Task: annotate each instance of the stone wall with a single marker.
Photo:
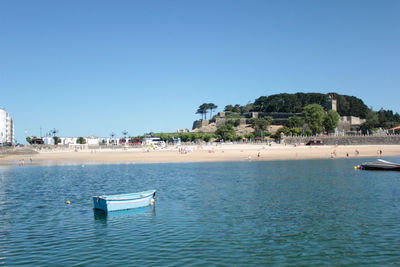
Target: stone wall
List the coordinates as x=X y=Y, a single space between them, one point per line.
x=222 y=121
x=7 y=151
x=200 y=123
x=347 y=140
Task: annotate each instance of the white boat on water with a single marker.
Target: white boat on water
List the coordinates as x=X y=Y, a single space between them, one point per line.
x=124 y=201
x=380 y=164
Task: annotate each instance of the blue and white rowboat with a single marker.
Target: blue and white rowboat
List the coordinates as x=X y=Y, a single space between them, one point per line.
x=124 y=201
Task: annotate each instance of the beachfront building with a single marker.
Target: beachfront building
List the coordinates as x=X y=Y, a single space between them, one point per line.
x=48 y=140
x=6 y=128
x=92 y=140
x=68 y=140
x=108 y=140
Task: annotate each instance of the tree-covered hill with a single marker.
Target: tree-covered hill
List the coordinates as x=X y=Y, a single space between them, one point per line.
x=294 y=103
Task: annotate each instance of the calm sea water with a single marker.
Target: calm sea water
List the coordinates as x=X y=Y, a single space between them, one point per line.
x=314 y=212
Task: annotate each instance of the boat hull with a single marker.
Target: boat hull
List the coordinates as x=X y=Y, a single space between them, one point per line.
x=123 y=202
x=379 y=168
x=380 y=165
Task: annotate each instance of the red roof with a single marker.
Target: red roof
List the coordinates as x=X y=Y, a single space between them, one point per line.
x=395 y=128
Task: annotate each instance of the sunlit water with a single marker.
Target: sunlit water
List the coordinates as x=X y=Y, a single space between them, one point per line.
x=314 y=212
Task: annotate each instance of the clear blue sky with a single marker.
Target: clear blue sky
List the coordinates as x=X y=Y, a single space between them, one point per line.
x=96 y=67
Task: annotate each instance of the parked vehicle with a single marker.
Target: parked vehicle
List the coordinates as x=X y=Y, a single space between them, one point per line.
x=315 y=142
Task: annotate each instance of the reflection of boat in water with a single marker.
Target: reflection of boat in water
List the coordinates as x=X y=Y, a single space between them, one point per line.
x=380 y=164
x=101 y=215
x=124 y=201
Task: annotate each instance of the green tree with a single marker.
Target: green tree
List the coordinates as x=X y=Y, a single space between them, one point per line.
x=29 y=140
x=112 y=137
x=202 y=110
x=372 y=122
x=314 y=116
x=81 y=140
x=228 y=108
x=294 y=103
x=206 y=137
x=236 y=108
x=185 y=137
x=261 y=123
x=211 y=107
x=277 y=135
x=331 y=120
x=56 y=140
x=295 y=122
x=226 y=132
x=295 y=131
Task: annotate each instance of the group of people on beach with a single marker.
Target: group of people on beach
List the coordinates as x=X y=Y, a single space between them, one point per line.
x=184 y=150
x=21 y=162
x=356 y=153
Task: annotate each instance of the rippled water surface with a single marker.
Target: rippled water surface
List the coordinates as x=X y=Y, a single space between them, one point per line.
x=314 y=212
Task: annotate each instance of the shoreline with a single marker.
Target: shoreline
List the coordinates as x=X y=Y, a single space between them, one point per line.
x=197 y=153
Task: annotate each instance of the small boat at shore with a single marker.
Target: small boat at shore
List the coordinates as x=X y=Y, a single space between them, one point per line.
x=381 y=165
x=124 y=201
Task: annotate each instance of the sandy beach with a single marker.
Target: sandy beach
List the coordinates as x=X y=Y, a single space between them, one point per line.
x=195 y=153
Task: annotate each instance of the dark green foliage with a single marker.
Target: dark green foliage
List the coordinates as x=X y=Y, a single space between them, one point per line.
x=211 y=107
x=387 y=119
x=314 y=115
x=351 y=106
x=278 y=134
x=294 y=103
x=185 y=137
x=236 y=108
x=295 y=121
x=234 y=116
x=261 y=123
x=226 y=132
x=56 y=140
x=203 y=109
x=331 y=120
x=289 y=103
x=207 y=137
x=382 y=118
x=371 y=123
x=295 y=131
x=239 y=109
x=28 y=140
x=81 y=141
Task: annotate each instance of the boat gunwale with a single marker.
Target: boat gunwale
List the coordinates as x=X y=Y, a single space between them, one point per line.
x=140 y=196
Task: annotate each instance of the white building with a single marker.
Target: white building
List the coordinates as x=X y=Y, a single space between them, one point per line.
x=92 y=140
x=6 y=128
x=48 y=140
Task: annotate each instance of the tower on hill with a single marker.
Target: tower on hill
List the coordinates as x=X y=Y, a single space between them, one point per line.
x=333 y=100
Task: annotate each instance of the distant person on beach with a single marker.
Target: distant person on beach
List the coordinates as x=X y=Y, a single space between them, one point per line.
x=357 y=152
